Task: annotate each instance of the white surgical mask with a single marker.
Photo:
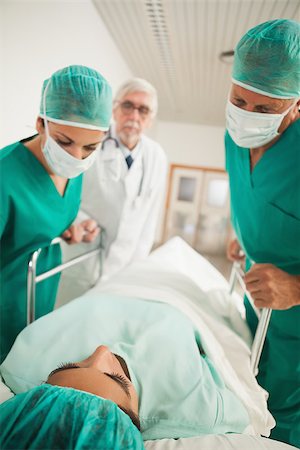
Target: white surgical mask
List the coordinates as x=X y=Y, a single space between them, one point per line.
x=252 y=129
x=61 y=162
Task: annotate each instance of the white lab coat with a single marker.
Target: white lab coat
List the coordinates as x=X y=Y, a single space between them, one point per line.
x=126 y=203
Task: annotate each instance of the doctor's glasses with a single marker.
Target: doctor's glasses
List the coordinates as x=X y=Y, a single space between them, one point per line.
x=128 y=107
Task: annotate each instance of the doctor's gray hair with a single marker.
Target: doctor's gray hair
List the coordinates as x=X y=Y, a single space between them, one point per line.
x=138 y=85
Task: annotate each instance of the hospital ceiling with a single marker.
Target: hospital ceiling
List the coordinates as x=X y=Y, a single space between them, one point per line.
x=176 y=45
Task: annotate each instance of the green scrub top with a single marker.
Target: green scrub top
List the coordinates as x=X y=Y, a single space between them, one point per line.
x=265 y=213
x=32 y=214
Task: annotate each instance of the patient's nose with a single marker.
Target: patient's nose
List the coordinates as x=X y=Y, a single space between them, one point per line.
x=102 y=349
x=103 y=359
x=100 y=353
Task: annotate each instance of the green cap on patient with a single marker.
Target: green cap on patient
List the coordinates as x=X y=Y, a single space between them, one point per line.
x=77 y=96
x=52 y=417
x=267 y=59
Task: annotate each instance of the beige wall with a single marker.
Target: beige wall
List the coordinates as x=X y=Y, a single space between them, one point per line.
x=197 y=145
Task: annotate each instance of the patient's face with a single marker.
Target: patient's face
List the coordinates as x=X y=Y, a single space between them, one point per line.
x=103 y=373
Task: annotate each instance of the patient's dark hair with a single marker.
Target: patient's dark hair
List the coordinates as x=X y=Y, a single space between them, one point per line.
x=134 y=417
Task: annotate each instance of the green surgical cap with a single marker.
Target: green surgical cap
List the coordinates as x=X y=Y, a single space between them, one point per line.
x=267 y=59
x=52 y=417
x=77 y=96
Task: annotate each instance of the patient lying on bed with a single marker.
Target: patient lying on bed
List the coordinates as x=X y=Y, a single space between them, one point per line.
x=180 y=391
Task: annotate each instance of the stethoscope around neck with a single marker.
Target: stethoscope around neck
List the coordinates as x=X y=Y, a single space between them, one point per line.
x=115 y=142
x=108 y=138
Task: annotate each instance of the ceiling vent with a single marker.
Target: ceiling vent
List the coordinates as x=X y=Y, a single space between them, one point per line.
x=159 y=28
x=227 y=56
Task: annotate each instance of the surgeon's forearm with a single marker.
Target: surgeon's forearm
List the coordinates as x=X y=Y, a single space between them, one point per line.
x=271 y=287
x=297 y=290
x=293 y=296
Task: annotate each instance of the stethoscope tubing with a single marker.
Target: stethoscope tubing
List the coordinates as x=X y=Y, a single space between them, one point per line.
x=108 y=138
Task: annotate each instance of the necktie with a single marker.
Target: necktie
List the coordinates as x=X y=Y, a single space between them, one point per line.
x=129 y=160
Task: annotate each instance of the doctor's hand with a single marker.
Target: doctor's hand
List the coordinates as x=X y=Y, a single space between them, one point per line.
x=271 y=287
x=234 y=251
x=86 y=231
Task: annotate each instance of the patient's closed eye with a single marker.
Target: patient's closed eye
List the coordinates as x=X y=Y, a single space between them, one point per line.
x=64 y=366
x=121 y=380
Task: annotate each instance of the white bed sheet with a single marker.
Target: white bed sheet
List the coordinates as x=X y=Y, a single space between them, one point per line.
x=5 y=392
x=218 y=442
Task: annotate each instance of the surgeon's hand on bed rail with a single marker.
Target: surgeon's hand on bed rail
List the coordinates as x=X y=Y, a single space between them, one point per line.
x=85 y=231
x=271 y=287
x=234 y=251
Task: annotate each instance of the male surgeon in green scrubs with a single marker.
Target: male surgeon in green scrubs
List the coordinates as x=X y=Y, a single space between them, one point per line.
x=40 y=187
x=263 y=162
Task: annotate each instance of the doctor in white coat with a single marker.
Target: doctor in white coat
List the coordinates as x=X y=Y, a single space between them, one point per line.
x=124 y=190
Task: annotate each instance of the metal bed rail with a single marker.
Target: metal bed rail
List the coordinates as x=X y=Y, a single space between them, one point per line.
x=263 y=315
x=33 y=279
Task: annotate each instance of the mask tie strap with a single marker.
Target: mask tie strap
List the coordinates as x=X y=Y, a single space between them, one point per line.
x=44 y=108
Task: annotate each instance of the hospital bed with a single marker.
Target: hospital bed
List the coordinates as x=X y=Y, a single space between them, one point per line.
x=236 y=276
x=187 y=262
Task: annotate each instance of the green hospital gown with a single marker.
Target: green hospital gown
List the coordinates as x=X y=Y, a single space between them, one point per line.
x=265 y=210
x=32 y=213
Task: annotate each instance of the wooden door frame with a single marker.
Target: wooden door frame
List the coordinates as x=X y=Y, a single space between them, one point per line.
x=173 y=167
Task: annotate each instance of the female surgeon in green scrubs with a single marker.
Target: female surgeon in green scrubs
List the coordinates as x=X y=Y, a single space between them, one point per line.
x=263 y=162
x=41 y=188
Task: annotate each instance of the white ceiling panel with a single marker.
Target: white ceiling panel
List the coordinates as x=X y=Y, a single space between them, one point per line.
x=175 y=44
